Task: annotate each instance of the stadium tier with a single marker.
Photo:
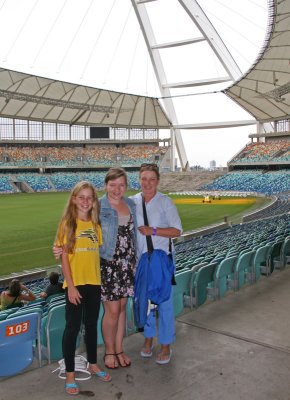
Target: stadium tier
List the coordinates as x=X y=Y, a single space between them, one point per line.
x=39 y=167
x=128 y=155
x=275 y=151
x=257 y=181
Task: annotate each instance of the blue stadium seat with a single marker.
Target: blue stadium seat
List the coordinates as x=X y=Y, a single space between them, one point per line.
x=52 y=327
x=286 y=252
x=261 y=259
x=244 y=270
x=18 y=338
x=224 y=276
x=203 y=285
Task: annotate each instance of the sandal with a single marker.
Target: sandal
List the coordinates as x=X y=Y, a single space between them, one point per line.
x=165 y=360
x=127 y=364
x=115 y=360
x=70 y=386
x=146 y=352
x=103 y=376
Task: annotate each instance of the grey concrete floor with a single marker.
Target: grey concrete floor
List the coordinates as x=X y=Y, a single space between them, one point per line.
x=237 y=348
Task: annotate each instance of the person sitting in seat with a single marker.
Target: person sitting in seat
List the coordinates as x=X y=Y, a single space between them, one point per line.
x=17 y=292
x=55 y=287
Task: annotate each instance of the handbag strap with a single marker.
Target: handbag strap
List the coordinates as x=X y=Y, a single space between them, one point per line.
x=148 y=237
x=149 y=241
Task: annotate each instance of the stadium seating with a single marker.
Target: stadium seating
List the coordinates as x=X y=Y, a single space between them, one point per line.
x=275 y=257
x=261 y=259
x=285 y=251
x=203 y=285
x=180 y=290
x=243 y=271
x=52 y=327
x=253 y=181
x=224 y=276
x=6 y=186
x=107 y=156
x=19 y=336
x=37 y=182
x=258 y=152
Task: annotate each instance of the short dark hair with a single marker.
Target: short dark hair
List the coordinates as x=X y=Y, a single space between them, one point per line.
x=53 y=278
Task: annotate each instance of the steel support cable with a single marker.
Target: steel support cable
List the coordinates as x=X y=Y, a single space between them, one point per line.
x=3 y=5
x=147 y=70
x=117 y=45
x=21 y=30
x=239 y=14
x=75 y=35
x=49 y=33
x=230 y=45
x=133 y=59
x=97 y=40
x=237 y=31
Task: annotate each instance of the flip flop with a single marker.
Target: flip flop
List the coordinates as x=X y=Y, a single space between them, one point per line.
x=165 y=360
x=69 y=386
x=146 y=353
x=102 y=375
x=119 y=360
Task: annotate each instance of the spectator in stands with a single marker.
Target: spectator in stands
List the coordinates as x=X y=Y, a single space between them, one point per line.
x=79 y=234
x=164 y=224
x=54 y=287
x=118 y=222
x=17 y=293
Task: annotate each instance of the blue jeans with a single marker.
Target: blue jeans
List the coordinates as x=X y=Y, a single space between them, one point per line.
x=166 y=325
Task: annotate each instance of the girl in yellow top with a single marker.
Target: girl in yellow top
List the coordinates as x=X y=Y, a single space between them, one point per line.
x=79 y=234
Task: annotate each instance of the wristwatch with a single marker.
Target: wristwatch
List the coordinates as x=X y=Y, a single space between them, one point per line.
x=154 y=231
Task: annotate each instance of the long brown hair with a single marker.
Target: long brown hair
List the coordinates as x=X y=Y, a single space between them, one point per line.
x=68 y=223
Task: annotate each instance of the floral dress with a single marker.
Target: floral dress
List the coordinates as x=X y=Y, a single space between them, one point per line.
x=118 y=274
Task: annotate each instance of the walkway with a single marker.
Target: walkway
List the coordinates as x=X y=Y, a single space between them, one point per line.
x=237 y=348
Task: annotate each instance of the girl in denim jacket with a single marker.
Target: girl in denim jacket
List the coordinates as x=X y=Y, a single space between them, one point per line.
x=118 y=257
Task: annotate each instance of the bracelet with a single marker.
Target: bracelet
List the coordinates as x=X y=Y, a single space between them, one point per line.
x=154 y=231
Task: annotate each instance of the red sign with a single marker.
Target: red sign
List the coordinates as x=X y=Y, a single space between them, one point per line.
x=17 y=329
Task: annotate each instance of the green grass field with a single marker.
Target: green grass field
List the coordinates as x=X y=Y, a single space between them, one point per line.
x=29 y=223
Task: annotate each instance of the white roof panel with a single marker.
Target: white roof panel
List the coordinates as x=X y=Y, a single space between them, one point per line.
x=25 y=96
x=264 y=90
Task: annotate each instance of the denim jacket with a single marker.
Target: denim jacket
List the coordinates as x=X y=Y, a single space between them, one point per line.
x=110 y=223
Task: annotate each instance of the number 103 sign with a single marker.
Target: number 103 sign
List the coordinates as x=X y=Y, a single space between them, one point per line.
x=17 y=329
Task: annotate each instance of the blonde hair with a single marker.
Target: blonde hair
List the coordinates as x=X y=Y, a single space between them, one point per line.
x=68 y=223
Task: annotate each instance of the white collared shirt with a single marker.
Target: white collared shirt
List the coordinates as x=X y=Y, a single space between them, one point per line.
x=161 y=213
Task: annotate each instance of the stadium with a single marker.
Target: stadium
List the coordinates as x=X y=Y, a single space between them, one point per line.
x=232 y=260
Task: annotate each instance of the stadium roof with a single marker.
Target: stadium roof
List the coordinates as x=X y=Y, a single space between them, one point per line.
x=264 y=91
x=25 y=96
x=188 y=48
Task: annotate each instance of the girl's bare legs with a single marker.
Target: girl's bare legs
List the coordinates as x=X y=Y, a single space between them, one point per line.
x=114 y=323
x=110 y=327
x=123 y=359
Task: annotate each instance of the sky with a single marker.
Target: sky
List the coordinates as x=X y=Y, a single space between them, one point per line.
x=99 y=43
